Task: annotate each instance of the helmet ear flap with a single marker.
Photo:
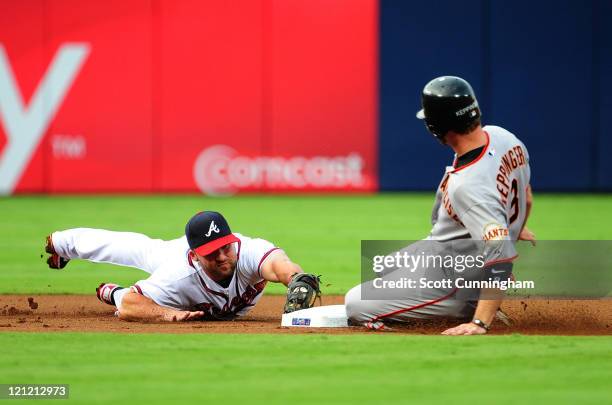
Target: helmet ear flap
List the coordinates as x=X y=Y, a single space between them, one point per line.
x=438 y=132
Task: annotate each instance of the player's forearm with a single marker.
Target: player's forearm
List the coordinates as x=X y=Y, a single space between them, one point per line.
x=528 y=205
x=286 y=270
x=136 y=307
x=486 y=308
x=279 y=268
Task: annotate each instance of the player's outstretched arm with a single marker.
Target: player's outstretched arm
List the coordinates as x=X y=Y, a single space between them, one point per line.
x=136 y=307
x=278 y=268
x=302 y=289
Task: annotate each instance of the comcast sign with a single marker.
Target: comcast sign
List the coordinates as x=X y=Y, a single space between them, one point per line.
x=221 y=170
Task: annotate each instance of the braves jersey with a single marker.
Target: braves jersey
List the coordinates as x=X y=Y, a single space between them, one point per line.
x=181 y=283
x=486 y=198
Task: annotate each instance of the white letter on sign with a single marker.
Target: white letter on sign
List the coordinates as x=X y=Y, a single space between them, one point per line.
x=23 y=126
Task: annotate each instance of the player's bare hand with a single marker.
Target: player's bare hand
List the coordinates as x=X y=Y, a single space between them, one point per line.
x=527 y=235
x=465 y=329
x=184 y=316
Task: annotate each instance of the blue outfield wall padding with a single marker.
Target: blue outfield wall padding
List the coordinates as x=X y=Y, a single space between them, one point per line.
x=541 y=86
x=540 y=69
x=419 y=41
x=603 y=91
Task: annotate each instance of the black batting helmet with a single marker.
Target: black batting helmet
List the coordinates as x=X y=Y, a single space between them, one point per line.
x=449 y=104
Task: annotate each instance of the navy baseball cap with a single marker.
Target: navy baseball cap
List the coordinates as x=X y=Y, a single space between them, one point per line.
x=208 y=231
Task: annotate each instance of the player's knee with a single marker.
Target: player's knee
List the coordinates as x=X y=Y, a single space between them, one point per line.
x=356 y=308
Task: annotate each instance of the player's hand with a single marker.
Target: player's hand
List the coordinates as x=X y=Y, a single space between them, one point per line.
x=527 y=235
x=183 y=316
x=465 y=329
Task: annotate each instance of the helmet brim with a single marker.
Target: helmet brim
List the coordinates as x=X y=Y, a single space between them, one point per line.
x=420 y=114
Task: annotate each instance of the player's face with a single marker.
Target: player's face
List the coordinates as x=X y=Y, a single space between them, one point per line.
x=220 y=264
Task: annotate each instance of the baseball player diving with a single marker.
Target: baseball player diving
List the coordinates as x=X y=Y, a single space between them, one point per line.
x=483 y=201
x=208 y=274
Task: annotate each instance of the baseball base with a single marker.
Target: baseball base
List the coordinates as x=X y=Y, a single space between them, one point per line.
x=329 y=316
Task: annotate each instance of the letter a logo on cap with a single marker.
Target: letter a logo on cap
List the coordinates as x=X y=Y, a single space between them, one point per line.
x=205 y=242
x=213 y=228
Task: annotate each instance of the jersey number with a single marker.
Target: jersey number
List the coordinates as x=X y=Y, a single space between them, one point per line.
x=514 y=203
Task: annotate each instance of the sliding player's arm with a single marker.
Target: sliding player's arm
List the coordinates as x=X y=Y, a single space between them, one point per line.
x=525 y=233
x=485 y=222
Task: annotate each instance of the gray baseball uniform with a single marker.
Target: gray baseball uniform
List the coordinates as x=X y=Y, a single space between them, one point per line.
x=482 y=204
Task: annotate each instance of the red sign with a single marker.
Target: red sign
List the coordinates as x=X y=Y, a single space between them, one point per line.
x=173 y=96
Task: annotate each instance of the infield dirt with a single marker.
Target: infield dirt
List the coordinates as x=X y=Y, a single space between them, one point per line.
x=84 y=313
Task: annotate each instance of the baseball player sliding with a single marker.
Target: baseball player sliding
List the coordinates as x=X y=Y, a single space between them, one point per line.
x=484 y=199
x=208 y=274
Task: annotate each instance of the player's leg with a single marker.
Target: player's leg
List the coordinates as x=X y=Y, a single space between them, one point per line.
x=112 y=294
x=399 y=295
x=364 y=304
x=102 y=246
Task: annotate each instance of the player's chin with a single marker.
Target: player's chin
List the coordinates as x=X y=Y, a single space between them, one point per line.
x=225 y=268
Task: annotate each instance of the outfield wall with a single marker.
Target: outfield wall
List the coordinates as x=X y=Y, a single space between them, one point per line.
x=542 y=69
x=291 y=95
x=188 y=95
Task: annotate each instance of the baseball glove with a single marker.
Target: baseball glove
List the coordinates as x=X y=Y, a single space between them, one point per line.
x=302 y=292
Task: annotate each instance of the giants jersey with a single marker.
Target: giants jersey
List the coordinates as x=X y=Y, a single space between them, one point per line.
x=486 y=198
x=182 y=284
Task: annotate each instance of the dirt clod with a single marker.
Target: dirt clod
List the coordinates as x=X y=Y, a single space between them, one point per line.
x=33 y=304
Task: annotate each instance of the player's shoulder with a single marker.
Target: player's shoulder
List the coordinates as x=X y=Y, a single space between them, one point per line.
x=252 y=251
x=500 y=136
x=464 y=188
x=170 y=285
x=469 y=184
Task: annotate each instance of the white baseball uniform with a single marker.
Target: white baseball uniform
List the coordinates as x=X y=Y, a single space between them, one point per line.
x=175 y=280
x=481 y=204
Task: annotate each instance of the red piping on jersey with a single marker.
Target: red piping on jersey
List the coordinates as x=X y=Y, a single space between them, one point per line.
x=504 y=260
x=425 y=304
x=484 y=150
x=264 y=258
x=217 y=293
x=139 y=289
